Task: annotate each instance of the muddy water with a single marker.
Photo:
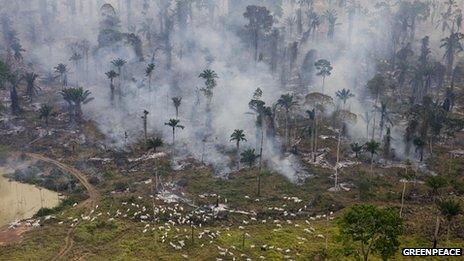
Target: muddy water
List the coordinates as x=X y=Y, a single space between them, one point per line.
x=22 y=201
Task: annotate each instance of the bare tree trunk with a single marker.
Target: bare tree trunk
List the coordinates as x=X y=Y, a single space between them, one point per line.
x=402 y=198
x=437 y=229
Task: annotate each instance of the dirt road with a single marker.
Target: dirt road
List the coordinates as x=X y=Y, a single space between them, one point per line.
x=9 y=236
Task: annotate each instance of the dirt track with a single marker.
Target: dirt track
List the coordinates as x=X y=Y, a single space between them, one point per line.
x=8 y=236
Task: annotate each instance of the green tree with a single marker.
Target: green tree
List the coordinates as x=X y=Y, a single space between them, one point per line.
x=45 y=112
x=154 y=143
x=249 y=157
x=356 y=148
x=373 y=229
x=449 y=209
x=238 y=136
x=324 y=70
x=75 y=98
x=174 y=124
x=435 y=183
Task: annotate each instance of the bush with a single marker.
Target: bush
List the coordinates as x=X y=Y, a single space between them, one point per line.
x=50 y=211
x=94 y=180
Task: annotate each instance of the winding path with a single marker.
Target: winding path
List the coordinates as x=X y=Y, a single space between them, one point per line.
x=89 y=203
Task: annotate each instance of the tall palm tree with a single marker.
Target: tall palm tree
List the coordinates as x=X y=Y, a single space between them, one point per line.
x=449 y=209
x=154 y=143
x=76 y=97
x=111 y=75
x=45 y=112
x=343 y=115
x=62 y=71
x=372 y=147
x=286 y=101
x=31 y=89
x=149 y=72
x=177 y=101
x=174 y=124
x=238 y=136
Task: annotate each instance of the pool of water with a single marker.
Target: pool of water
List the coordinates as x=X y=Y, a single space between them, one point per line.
x=22 y=201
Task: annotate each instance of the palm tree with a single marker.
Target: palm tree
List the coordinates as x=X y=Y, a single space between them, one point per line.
x=420 y=145
x=31 y=89
x=111 y=75
x=154 y=143
x=331 y=16
x=344 y=95
x=286 y=101
x=62 y=70
x=249 y=157
x=372 y=147
x=76 y=97
x=210 y=77
x=356 y=148
x=238 y=136
x=174 y=123
x=45 y=112
x=119 y=63
x=145 y=123
x=325 y=70
x=177 y=101
x=149 y=72
x=449 y=209
x=75 y=58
